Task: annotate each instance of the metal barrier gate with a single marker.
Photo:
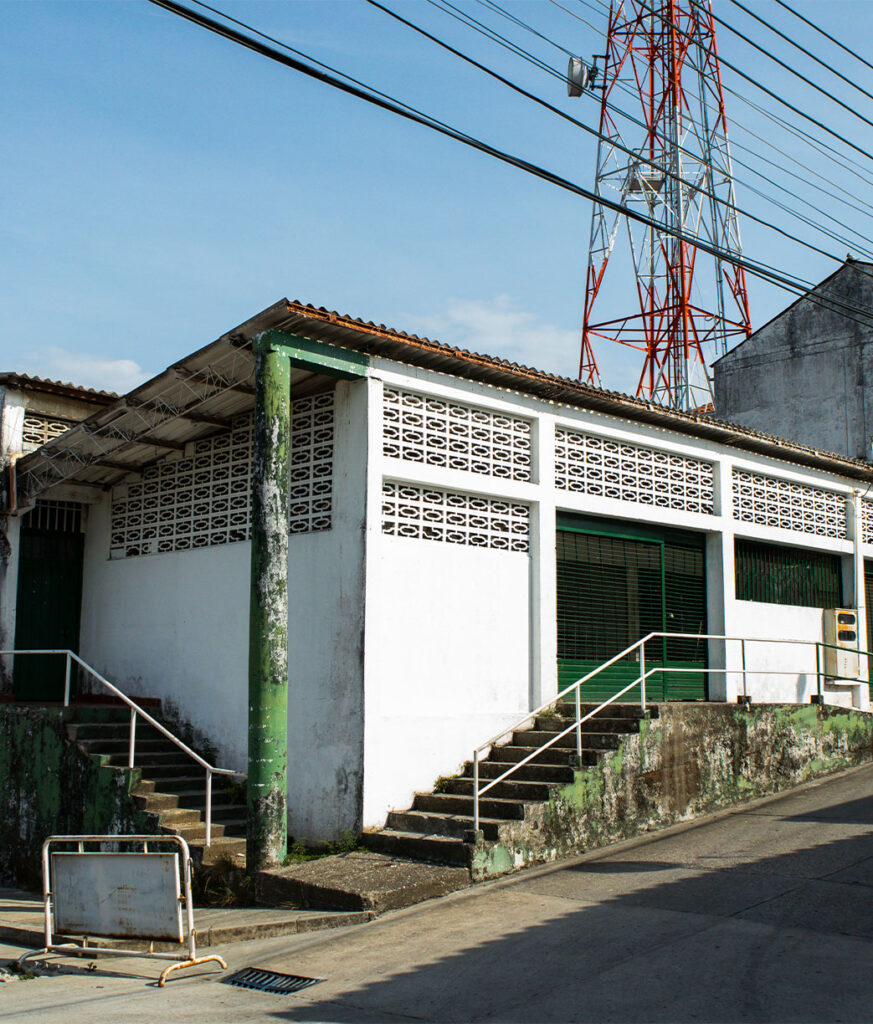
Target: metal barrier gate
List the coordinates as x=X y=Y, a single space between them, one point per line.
x=120 y=894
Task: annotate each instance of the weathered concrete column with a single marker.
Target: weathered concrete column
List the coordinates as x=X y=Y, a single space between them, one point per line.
x=267 y=832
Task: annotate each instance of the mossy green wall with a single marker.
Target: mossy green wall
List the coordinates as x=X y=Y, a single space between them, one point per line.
x=49 y=786
x=691 y=759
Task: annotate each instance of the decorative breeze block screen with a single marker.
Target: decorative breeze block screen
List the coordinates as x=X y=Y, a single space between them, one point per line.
x=420 y=428
x=867 y=524
x=428 y=514
x=204 y=498
x=767 y=501
x=630 y=472
x=40 y=429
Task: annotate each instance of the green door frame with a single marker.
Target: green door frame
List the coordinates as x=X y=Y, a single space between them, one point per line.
x=643 y=533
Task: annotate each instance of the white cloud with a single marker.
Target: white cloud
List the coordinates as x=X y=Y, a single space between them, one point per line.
x=500 y=327
x=84 y=369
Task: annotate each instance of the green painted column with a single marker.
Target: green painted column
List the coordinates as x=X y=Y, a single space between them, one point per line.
x=267 y=833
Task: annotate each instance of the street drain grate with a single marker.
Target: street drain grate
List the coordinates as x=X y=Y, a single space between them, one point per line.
x=270 y=981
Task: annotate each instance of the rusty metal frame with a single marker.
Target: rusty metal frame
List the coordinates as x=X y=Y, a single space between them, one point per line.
x=186 y=958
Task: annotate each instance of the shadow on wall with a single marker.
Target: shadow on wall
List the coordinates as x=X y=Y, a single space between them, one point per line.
x=727 y=936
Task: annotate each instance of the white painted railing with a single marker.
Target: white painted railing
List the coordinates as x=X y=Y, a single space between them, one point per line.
x=640 y=681
x=137 y=711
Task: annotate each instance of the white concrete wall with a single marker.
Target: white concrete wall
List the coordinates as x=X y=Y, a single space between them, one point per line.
x=173 y=626
x=447 y=663
x=176 y=626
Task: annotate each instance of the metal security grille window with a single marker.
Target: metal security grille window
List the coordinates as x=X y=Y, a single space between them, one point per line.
x=778 y=575
x=629 y=472
x=767 y=501
x=39 y=429
x=420 y=428
x=614 y=590
x=54 y=517
x=429 y=514
x=204 y=497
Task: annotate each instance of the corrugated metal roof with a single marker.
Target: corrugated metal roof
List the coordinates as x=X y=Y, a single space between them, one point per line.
x=28 y=382
x=199 y=394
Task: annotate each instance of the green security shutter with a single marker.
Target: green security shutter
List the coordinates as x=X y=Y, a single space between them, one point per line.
x=613 y=589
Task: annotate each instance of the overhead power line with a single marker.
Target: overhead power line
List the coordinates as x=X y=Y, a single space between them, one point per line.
x=808 y=53
x=827 y=35
x=859 y=243
x=591 y=131
x=792 y=71
x=352 y=87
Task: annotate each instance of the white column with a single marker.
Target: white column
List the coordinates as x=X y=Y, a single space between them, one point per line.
x=855 y=531
x=543 y=573
x=721 y=589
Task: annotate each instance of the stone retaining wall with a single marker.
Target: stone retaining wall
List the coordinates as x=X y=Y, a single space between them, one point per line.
x=691 y=759
x=49 y=786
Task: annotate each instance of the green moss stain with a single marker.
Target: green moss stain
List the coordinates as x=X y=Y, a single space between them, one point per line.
x=690 y=760
x=50 y=787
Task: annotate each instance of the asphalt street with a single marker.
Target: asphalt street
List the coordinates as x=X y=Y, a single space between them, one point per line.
x=764 y=913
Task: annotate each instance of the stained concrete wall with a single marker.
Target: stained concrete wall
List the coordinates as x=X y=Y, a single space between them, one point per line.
x=176 y=626
x=51 y=787
x=688 y=761
x=808 y=374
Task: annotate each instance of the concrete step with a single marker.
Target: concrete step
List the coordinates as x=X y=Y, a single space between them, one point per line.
x=144 y=759
x=221 y=847
x=527 y=792
x=555 y=756
x=432 y=823
x=567 y=709
x=85 y=730
x=533 y=771
x=195 y=831
x=360 y=880
x=177 y=817
x=554 y=723
x=458 y=803
x=590 y=740
x=181 y=775
x=143 y=750
x=156 y=802
x=436 y=849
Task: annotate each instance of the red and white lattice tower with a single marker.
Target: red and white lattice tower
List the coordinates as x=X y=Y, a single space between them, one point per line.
x=684 y=304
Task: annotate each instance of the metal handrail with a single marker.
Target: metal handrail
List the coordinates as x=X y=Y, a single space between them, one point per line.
x=641 y=682
x=135 y=710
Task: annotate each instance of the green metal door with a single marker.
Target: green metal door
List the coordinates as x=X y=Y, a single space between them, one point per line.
x=49 y=599
x=616 y=584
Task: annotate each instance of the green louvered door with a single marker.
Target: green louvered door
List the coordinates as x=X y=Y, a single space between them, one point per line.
x=49 y=599
x=617 y=584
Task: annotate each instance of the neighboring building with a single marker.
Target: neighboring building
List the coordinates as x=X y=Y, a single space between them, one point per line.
x=466 y=537
x=807 y=375
x=32 y=412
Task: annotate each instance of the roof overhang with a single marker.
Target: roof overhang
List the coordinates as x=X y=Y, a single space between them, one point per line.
x=201 y=394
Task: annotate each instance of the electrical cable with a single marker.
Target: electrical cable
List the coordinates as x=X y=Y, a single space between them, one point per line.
x=803 y=49
x=374 y=97
x=797 y=74
x=592 y=131
x=859 y=244
x=827 y=35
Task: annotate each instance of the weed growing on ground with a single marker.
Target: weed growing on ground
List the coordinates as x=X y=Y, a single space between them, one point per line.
x=300 y=853
x=222 y=884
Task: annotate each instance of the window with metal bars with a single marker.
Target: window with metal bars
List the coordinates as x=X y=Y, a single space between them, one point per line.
x=774 y=574
x=54 y=517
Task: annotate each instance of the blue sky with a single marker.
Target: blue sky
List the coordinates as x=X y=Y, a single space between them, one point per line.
x=160 y=185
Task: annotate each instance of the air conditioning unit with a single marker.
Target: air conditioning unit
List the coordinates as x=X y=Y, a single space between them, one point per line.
x=841 y=659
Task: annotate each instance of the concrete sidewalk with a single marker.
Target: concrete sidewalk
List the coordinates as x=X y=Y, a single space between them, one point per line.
x=21 y=922
x=760 y=914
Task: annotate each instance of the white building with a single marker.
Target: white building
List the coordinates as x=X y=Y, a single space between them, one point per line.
x=466 y=536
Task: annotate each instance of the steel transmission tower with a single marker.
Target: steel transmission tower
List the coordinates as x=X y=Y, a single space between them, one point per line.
x=684 y=304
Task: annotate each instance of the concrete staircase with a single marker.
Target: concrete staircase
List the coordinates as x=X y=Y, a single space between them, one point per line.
x=435 y=827
x=171 y=786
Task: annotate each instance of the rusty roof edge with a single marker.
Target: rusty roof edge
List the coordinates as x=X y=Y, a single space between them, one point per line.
x=25 y=381
x=568 y=391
